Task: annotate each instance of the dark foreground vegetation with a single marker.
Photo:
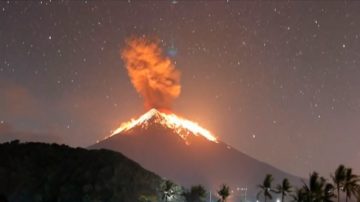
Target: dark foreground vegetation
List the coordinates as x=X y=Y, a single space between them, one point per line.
x=32 y=172
x=39 y=172
x=343 y=185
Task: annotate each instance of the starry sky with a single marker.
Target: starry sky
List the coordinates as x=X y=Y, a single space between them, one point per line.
x=276 y=80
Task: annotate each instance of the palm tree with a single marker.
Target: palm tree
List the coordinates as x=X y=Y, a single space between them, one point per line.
x=328 y=193
x=167 y=190
x=284 y=189
x=358 y=193
x=266 y=187
x=195 y=194
x=338 y=179
x=299 y=196
x=224 y=192
x=314 y=191
x=350 y=184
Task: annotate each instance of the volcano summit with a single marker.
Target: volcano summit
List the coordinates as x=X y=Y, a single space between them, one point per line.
x=184 y=152
x=181 y=126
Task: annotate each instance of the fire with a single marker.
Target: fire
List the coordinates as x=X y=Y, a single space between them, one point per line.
x=180 y=125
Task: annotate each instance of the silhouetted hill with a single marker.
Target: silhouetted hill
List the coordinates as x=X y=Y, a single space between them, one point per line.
x=43 y=172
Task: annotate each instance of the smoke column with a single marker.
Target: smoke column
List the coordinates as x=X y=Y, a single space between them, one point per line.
x=154 y=76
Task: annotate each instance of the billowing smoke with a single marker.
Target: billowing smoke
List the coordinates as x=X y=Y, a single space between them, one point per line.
x=153 y=75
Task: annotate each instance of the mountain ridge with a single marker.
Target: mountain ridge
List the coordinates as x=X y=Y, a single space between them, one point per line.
x=32 y=172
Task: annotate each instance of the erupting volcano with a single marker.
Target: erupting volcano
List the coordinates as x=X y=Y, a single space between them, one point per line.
x=181 y=126
x=171 y=146
x=158 y=82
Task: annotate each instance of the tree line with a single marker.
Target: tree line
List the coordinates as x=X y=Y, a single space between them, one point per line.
x=172 y=192
x=38 y=172
x=342 y=186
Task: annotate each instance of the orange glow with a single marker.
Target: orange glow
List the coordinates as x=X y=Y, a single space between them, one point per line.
x=180 y=125
x=153 y=75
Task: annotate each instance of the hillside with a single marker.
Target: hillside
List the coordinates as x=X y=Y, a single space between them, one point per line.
x=43 y=172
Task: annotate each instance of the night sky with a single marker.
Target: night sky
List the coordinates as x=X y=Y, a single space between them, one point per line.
x=277 y=80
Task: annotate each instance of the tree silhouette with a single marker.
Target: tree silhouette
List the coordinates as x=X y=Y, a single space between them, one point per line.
x=167 y=190
x=224 y=192
x=51 y=172
x=314 y=191
x=195 y=194
x=266 y=187
x=350 y=184
x=299 y=196
x=338 y=179
x=3 y=198
x=328 y=194
x=318 y=189
x=284 y=189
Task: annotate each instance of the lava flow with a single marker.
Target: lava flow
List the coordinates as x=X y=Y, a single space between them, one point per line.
x=180 y=125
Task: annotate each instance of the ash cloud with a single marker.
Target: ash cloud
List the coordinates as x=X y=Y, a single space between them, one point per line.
x=153 y=75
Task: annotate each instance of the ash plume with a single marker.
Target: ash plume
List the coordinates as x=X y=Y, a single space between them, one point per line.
x=153 y=75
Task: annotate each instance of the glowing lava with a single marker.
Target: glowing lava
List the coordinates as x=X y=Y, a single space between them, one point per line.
x=181 y=126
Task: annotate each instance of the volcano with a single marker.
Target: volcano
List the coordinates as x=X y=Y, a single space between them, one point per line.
x=188 y=154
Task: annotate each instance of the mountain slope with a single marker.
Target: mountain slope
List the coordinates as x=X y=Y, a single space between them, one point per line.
x=192 y=160
x=43 y=172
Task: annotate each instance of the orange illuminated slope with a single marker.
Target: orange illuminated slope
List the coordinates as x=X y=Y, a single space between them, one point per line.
x=179 y=125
